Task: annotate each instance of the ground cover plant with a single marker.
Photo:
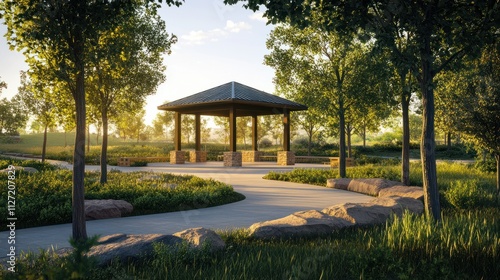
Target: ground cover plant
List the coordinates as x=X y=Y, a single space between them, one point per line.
x=44 y=198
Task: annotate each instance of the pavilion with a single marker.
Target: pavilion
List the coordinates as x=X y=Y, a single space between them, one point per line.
x=232 y=100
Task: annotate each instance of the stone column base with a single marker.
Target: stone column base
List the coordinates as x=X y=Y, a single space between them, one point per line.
x=251 y=156
x=286 y=158
x=232 y=159
x=198 y=156
x=177 y=157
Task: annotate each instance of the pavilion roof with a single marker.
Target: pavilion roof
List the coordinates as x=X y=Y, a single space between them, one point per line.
x=215 y=101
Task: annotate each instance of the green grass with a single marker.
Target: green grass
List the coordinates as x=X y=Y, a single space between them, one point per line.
x=44 y=198
x=464 y=246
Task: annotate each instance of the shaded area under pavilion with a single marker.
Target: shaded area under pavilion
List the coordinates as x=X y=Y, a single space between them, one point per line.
x=232 y=100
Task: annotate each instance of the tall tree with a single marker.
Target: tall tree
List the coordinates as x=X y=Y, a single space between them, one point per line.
x=36 y=97
x=60 y=32
x=323 y=69
x=2 y=85
x=12 y=116
x=162 y=123
x=444 y=32
x=126 y=67
x=475 y=109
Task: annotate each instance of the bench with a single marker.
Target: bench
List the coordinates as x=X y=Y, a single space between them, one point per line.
x=334 y=162
x=129 y=161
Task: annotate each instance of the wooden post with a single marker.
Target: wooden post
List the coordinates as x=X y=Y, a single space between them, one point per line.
x=177 y=137
x=232 y=129
x=197 y=132
x=286 y=130
x=254 y=133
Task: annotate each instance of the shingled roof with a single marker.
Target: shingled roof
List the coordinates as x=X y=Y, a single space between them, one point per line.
x=215 y=101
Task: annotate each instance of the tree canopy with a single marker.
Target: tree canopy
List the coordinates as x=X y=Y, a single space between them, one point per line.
x=443 y=32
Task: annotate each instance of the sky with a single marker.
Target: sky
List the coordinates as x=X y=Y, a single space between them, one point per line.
x=216 y=44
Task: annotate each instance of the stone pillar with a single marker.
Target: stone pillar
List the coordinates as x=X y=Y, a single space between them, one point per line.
x=177 y=157
x=198 y=156
x=232 y=159
x=251 y=156
x=286 y=158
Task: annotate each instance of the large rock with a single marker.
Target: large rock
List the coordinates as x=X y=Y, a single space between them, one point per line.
x=19 y=169
x=129 y=248
x=304 y=223
x=403 y=191
x=370 y=186
x=360 y=214
x=200 y=237
x=340 y=184
x=106 y=208
x=400 y=204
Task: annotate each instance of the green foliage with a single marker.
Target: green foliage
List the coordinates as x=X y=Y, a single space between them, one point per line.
x=44 y=198
x=469 y=194
x=48 y=264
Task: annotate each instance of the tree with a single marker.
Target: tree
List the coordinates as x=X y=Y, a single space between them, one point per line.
x=59 y=32
x=126 y=66
x=36 y=98
x=162 y=123
x=323 y=69
x=2 y=85
x=444 y=32
x=475 y=109
x=12 y=116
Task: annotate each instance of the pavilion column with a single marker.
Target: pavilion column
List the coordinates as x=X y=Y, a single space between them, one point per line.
x=177 y=156
x=197 y=155
x=254 y=154
x=232 y=158
x=286 y=157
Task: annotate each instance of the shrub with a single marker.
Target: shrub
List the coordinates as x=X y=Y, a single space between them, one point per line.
x=469 y=194
x=265 y=143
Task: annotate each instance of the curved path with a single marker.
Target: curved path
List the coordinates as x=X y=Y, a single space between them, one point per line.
x=265 y=200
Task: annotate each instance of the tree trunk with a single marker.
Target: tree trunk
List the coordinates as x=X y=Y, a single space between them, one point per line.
x=309 y=142
x=349 y=132
x=44 y=145
x=364 y=135
x=104 y=147
x=448 y=138
x=78 y=196
x=342 y=149
x=405 y=150
x=428 y=145
x=88 y=138
x=497 y=158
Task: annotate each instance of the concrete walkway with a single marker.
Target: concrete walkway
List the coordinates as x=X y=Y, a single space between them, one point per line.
x=265 y=200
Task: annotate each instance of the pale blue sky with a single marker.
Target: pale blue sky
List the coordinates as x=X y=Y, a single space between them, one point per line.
x=216 y=44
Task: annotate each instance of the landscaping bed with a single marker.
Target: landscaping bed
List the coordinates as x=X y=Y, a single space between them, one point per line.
x=44 y=198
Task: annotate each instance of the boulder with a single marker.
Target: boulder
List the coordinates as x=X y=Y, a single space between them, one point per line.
x=360 y=214
x=128 y=248
x=370 y=186
x=29 y=170
x=399 y=204
x=200 y=237
x=403 y=191
x=106 y=208
x=340 y=184
x=304 y=223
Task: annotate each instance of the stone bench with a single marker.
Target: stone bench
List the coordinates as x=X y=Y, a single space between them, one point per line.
x=129 y=161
